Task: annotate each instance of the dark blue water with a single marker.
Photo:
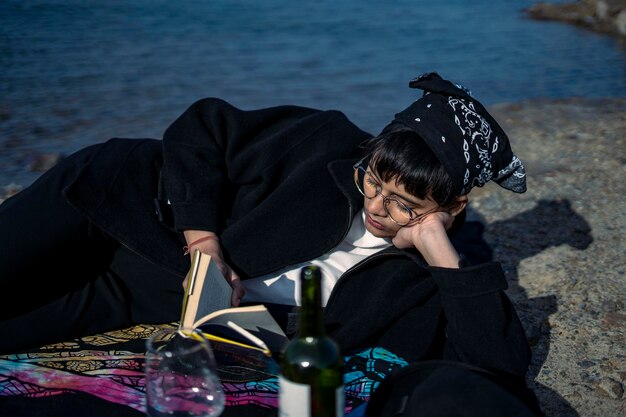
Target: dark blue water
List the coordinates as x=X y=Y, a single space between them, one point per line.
x=75 y=72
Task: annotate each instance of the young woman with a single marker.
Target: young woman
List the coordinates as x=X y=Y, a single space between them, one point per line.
x=99 y=241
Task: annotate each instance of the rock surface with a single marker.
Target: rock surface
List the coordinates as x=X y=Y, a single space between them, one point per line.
x=607 y=16
x=562 y=246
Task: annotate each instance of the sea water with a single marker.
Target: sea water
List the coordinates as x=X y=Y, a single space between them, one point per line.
x=73 y=72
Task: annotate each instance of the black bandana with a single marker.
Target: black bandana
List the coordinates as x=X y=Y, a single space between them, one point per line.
x=470 y=144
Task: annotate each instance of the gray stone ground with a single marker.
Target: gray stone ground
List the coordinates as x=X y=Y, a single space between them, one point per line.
x=563 y=249
x=562 y=246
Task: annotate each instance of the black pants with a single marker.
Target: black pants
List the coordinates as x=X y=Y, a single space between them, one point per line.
x=61 y=277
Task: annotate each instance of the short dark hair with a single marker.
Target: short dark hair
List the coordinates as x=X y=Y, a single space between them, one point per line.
x=401 y=155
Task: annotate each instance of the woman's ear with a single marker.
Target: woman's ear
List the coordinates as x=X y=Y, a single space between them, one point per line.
x=459 y=205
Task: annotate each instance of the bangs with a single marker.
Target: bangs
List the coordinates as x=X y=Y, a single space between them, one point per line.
x=402 y=156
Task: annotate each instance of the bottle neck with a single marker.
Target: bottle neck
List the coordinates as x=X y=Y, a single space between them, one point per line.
x=311 y=317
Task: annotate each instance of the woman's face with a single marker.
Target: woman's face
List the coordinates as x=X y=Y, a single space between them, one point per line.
x=377 y=220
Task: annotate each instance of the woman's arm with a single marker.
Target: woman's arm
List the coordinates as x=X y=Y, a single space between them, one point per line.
x=195 y=174
x=214 y=148
x=482 y=325
x=212 y=151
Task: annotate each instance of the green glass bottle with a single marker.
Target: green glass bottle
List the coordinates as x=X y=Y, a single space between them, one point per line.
x=311 y=379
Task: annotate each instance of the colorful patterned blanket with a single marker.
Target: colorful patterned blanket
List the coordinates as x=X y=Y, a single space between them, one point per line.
x=102 y=375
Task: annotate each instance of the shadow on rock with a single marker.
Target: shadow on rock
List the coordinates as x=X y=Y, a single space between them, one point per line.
x=550 y=223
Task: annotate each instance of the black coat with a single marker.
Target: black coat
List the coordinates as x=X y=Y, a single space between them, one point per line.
x=276 y=184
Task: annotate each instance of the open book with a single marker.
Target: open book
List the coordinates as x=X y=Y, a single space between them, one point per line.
x=237 y=334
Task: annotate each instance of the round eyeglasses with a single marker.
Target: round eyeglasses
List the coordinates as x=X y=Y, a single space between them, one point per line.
x=397 y=211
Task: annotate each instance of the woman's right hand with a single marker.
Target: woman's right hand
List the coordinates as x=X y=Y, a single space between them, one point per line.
x=212 y=247
x=429 y=237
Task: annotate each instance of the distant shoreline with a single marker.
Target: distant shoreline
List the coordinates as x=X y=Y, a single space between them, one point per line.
x=603 y=16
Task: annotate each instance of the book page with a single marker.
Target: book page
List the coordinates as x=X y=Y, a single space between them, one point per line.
x=207 y=290
x=255 y=319
x=206 y=305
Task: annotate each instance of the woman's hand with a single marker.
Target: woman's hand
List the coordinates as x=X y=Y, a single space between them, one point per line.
x=429 y=237
x=212 y=247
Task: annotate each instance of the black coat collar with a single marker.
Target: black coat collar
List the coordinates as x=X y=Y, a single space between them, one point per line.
x=342 y=172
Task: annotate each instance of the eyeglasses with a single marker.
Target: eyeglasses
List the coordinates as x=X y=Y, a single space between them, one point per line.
x=398 y=212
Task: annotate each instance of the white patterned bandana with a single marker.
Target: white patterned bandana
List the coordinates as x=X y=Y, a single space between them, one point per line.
x=466 y=139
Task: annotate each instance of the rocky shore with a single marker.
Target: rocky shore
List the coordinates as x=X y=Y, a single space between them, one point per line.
x=563 y=249
x=606 y=16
